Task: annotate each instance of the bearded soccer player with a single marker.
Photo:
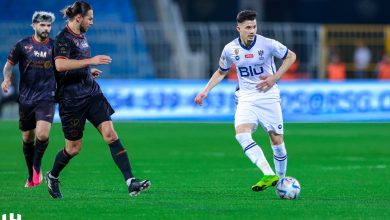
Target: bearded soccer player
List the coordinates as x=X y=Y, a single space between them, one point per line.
x=36 y=91
x=80 y=98
x=257 y=94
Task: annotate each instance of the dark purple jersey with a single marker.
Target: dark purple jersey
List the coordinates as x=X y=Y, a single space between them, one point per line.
x=37 y=81
x=74 y=84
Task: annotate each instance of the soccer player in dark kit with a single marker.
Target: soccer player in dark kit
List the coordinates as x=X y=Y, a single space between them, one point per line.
x=80 y=98
x=36 y=91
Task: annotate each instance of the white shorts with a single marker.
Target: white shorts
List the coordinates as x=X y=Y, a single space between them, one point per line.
x=268 y=114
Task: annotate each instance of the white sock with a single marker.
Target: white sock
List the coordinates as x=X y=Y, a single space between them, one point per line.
x=280 y=159
x=254 y=153
x=128 y=181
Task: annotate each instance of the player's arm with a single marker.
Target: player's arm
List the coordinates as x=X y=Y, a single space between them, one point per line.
x=214 y=80
x=269 y=80
x=287 y=62
x=7 y=72
x=62 y=64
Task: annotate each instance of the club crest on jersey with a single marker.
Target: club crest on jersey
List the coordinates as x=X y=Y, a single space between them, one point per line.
x=40 y=53
x=261 y=53
x=28 y=48
x=237 y=52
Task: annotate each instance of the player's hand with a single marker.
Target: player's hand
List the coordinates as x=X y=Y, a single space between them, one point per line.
x=200 y=97
x=267 y=81
x=100 y=59
x=95 y=73
x=5 y=85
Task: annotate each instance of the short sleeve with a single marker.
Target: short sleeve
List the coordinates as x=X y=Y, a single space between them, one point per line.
x=61 y=48
x=15 y=54
x=279 y=50
x=224 y=61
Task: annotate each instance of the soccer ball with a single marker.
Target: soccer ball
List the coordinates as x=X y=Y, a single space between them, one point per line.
x=288 y=188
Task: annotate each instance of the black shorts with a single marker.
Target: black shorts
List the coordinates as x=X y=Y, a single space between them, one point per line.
x=74 y=114
x=29 y=114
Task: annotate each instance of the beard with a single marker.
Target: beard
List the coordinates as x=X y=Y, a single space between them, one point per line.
x=83 y=29
x=43 y=35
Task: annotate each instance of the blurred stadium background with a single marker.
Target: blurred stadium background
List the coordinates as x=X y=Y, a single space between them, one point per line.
x=155 y=40
x=163 y=53
x=152 y=41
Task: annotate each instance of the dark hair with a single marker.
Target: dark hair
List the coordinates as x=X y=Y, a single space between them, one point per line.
x=79 y=7
x=246 y=15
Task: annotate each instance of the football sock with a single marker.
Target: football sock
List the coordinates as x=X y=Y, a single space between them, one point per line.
x=28 y=151
x=280 y=159
x=40 y=148
x=254 y=153
x=60 y=162
x=119 y=154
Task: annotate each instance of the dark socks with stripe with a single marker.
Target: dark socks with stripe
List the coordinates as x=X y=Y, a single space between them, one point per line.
x=121 y=159
x=60 y=162
x=28 y=151
x=40 y=148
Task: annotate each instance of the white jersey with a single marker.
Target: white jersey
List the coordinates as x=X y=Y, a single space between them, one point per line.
x=251 y=62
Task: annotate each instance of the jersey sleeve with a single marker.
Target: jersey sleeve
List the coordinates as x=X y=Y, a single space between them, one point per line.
x=279 y=50
x=61 y=48
x=15 y=54
x=224 y=61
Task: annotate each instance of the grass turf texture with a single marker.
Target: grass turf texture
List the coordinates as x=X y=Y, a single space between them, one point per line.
x=199 y=171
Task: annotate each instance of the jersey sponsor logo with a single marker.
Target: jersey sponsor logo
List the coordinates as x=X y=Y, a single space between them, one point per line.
x=40 y=53
x=249 y=55
x=250 y=71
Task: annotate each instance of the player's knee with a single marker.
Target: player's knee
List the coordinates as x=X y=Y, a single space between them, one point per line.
x=276 y=140
x=28 y=136
x=110 y=136
x=244 y=137
x=73 y=149
x=42 y=137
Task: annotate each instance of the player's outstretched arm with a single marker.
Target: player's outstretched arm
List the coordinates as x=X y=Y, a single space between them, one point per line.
x=214 y=80
x=71 y=64
x=7 y=71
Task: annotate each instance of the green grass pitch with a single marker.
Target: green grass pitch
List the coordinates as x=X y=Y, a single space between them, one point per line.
x=199 y=171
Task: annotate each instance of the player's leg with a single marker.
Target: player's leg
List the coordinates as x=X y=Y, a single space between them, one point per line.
x=73 y=121
x=27 y=126
x=41 y=142
x=256 y=155
x=251 y=149
x=44 y=113
x=62 y=159
x=280 y=153
x=121 y=159
x=100 y=116
x=28 y=151
x=245 y=123
x=272 y=121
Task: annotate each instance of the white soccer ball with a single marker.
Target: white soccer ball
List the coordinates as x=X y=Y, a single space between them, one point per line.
x=288 y=188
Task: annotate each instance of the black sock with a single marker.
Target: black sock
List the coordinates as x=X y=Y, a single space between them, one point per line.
x=121 y=159
x=61 y=161
x=40 y=148
x=28 y=151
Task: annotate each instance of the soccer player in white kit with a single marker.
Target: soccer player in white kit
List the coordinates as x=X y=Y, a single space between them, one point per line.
x=258 y=95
